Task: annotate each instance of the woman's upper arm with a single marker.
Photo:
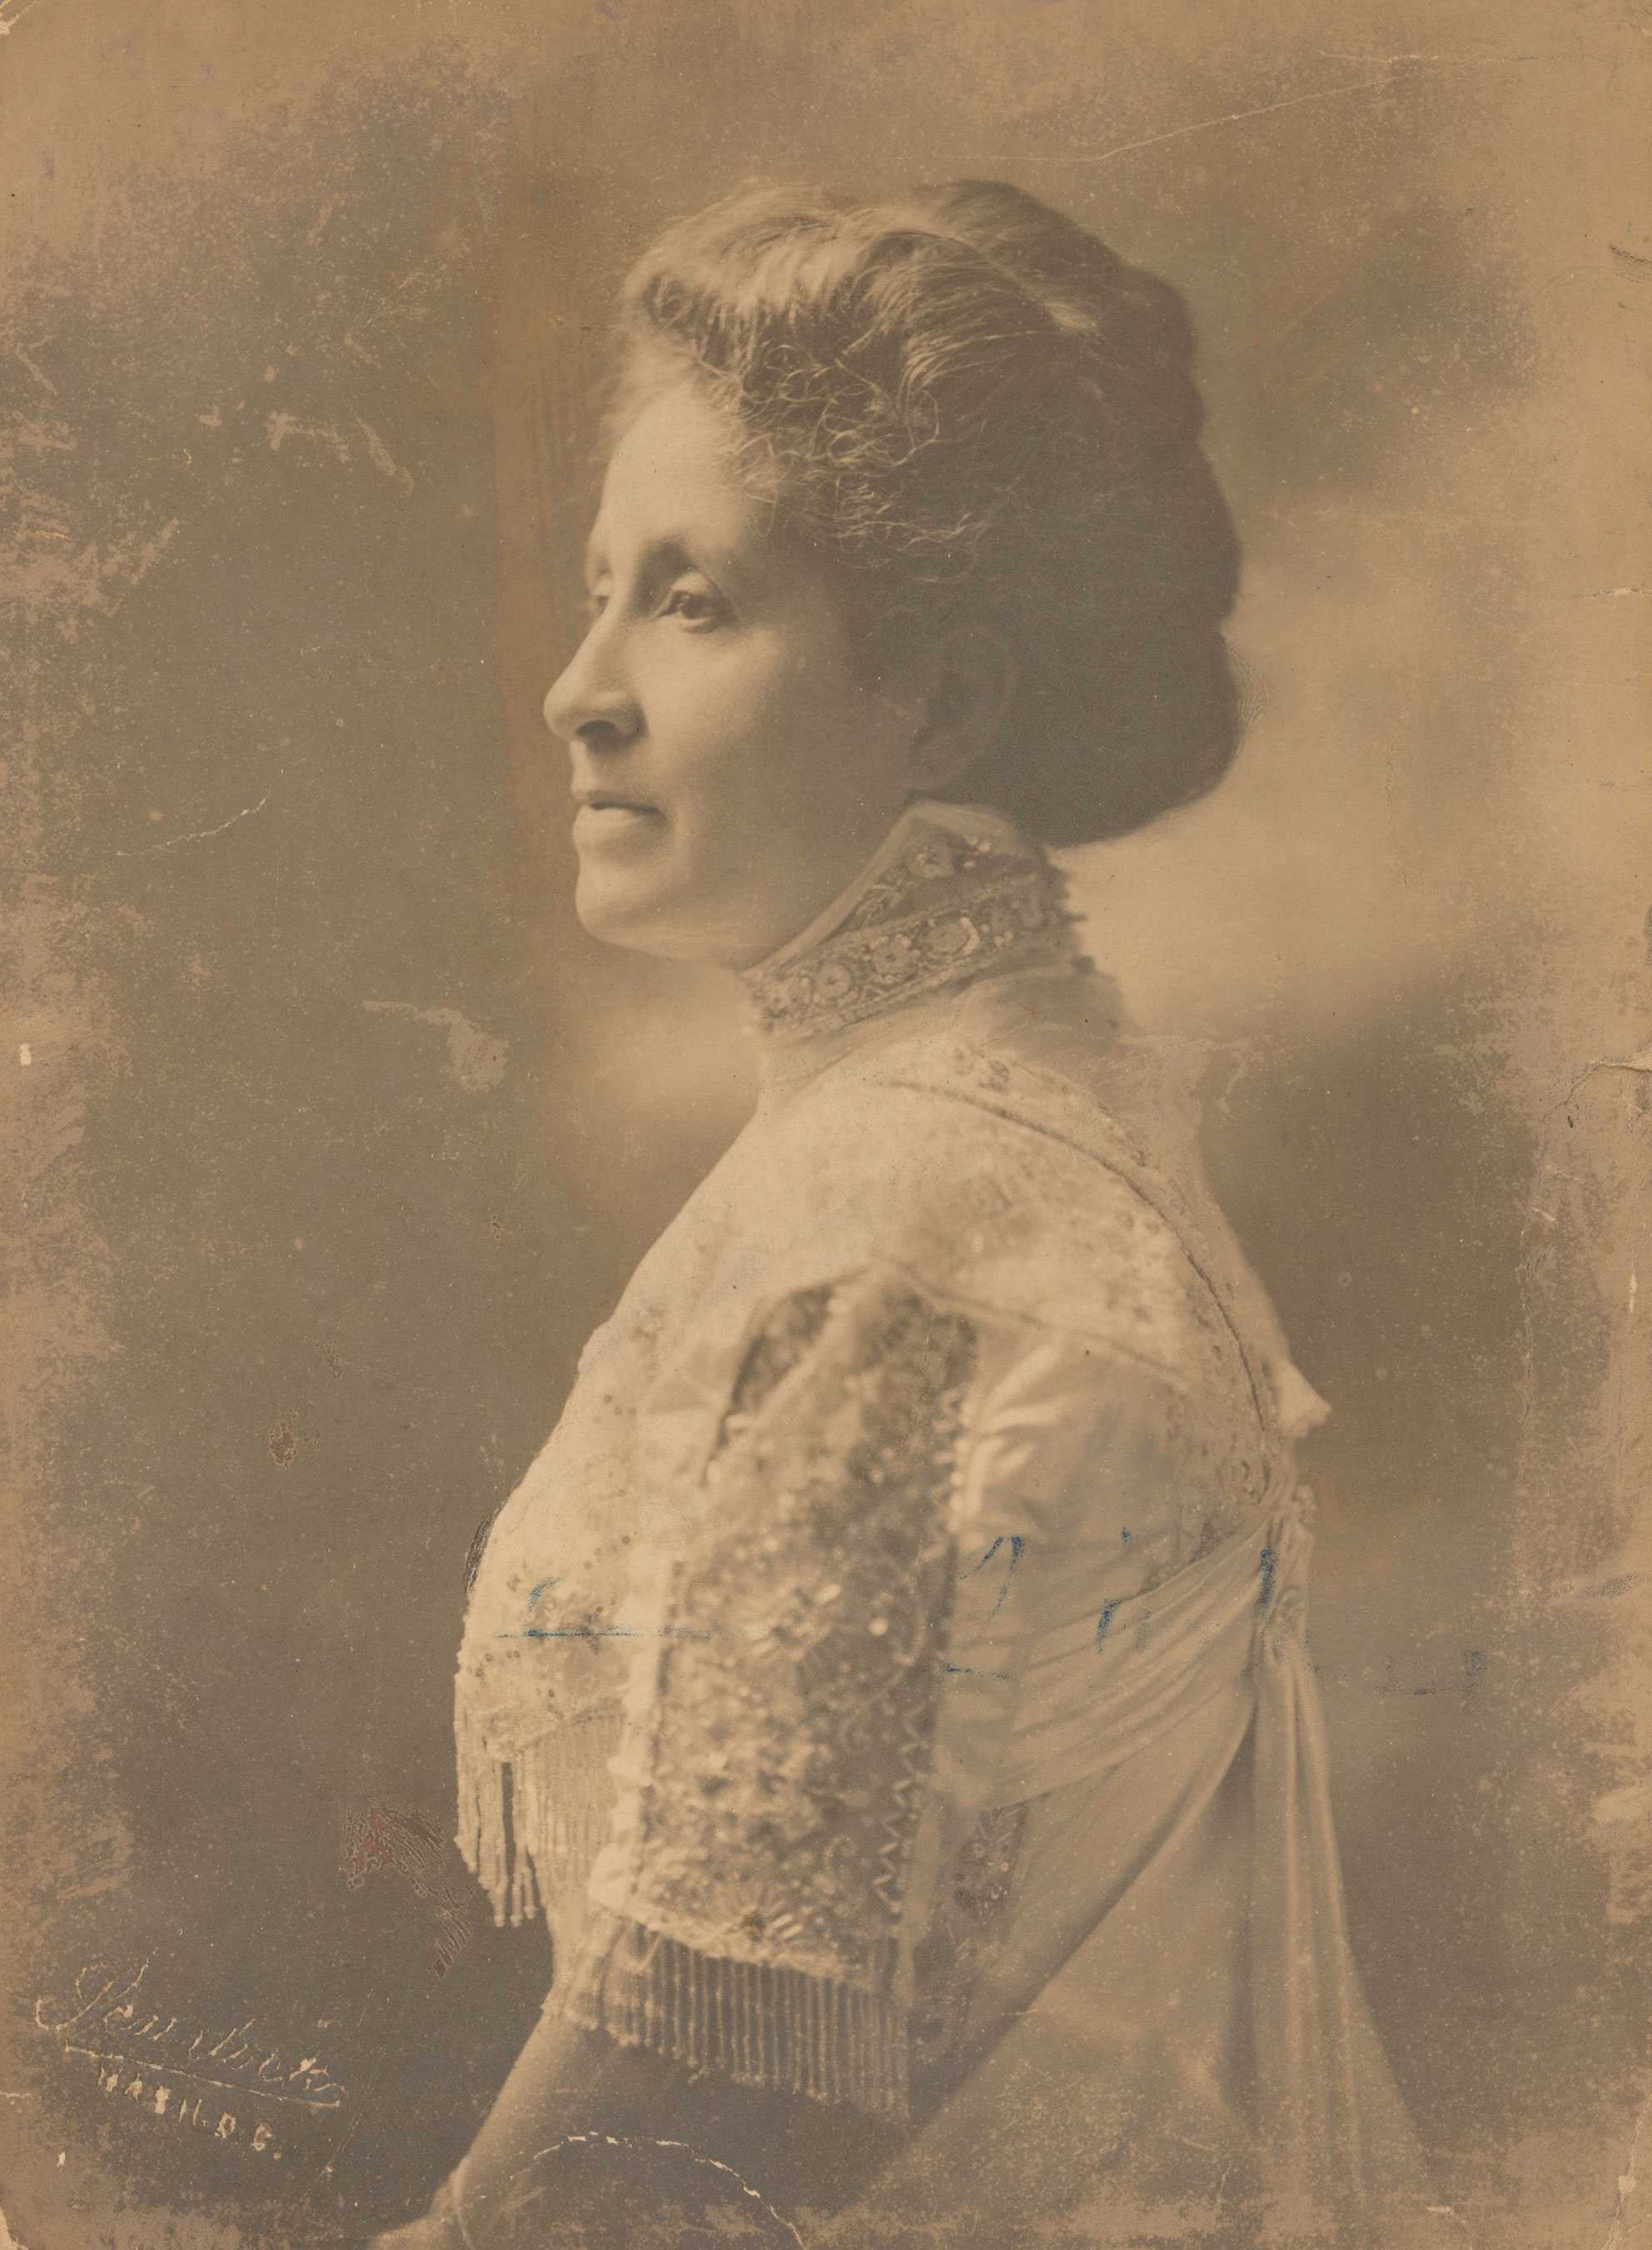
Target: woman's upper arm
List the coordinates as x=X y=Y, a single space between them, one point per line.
x=752 y=1910
x=812 y=1719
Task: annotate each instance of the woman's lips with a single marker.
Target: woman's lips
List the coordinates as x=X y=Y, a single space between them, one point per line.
x=612 y=820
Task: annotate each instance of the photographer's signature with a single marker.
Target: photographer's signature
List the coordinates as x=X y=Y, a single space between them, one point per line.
x=177 y=2071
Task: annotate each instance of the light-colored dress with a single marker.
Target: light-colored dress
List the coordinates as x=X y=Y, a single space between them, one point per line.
x=889 y=1680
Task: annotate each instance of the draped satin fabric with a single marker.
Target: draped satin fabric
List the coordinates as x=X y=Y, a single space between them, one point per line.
x=1168 y=2040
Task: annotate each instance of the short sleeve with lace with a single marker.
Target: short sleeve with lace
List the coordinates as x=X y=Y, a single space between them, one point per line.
x=753 y=1910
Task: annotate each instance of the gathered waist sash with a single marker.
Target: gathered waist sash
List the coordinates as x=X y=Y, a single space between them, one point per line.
x=1099 y=1687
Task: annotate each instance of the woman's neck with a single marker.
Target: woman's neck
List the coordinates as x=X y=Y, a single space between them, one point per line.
x=955 y=893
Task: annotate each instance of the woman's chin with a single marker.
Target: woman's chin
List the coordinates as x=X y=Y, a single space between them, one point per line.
x=614 y=906
x=610 y=911
x=642 y=919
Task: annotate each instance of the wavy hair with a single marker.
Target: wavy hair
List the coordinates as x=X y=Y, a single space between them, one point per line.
x=975 y=412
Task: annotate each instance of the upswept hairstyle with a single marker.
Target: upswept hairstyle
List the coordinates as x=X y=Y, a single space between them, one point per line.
x=977 y=412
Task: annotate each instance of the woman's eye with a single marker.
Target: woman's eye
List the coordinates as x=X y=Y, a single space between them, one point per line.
x=692 y=604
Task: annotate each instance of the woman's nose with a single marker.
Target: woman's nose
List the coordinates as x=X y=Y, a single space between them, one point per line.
x=589 y=702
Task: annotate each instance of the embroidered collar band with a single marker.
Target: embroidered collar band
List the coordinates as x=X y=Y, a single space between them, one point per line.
x=954 y=893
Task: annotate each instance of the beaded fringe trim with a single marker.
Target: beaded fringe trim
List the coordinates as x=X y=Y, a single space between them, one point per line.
x=530 y=1825
x=783 y=2030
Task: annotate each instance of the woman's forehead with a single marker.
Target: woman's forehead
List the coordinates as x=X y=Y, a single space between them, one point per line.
x=671 y=479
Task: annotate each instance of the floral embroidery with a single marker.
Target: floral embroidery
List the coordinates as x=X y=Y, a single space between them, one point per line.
x=951 y=904
x=792 y=1734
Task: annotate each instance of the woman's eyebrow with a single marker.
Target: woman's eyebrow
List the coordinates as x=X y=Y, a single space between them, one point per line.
x=667 y=552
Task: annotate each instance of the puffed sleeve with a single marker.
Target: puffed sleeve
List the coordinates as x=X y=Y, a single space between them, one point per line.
x=756 y=1909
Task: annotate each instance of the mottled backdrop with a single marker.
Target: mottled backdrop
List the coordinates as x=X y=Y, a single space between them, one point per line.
x=331 y=1136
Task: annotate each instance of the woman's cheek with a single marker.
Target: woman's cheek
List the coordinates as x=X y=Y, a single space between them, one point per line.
x=736 y=724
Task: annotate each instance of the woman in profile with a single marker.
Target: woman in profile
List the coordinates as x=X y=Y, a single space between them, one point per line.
x=889 y=1680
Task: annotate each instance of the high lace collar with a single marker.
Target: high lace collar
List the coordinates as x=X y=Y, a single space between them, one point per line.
x=954 y=893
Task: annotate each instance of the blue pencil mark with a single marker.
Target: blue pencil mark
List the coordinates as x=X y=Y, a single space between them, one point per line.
x=976 y=1671
x=1015 y=1546
x=594 y=1632
x=1104 y=1621
x=1124 y=1538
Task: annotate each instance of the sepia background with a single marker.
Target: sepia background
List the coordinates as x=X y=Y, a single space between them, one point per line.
x=331 y=1137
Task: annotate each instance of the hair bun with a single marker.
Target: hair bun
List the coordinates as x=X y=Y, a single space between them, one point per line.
x=1134 y=324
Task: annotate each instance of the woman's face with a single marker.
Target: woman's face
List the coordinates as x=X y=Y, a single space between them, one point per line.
x=731 y=769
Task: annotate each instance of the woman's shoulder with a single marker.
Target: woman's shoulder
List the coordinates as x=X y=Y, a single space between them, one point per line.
x=964 y=1167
